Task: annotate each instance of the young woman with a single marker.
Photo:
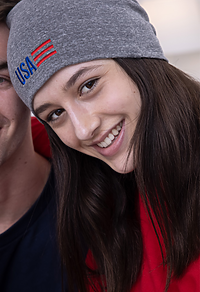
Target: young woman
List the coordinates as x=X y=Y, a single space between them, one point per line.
x=124 y=126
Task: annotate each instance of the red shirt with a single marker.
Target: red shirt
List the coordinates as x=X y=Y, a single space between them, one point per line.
x=153 y=276
x=40 y=138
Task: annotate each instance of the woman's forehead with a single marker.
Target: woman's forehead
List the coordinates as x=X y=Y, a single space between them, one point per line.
x=71 y=73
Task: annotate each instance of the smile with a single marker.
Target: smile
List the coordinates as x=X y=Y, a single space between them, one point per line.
x=112 y=136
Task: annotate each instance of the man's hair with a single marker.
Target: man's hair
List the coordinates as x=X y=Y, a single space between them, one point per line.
x=5 y=7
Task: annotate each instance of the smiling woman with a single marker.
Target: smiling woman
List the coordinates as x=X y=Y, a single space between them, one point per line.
x=124 y=127
x=91 y=102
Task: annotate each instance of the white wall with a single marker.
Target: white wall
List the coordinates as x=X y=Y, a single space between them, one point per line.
x=177 y=24
x=189 y=62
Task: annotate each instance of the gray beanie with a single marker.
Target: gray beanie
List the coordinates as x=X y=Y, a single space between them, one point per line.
x=47 y=35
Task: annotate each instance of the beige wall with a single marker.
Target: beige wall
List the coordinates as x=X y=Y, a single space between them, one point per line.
x=190 y=63
x=177 y=24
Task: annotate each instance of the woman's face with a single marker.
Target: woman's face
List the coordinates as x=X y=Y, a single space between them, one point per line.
x=93 y=107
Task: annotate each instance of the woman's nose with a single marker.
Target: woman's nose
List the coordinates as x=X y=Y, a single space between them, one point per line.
x=85 y=123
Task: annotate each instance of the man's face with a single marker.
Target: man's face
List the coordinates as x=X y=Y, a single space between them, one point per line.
x=14 y=115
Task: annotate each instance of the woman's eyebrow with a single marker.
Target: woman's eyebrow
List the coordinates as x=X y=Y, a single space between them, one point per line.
x=42 y=108
x=73 y=79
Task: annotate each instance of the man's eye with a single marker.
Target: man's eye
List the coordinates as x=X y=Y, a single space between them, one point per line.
x=54 y=115
x=2 y=80
x=88 y=86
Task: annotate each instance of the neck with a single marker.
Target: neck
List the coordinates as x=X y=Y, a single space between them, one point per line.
x=22 y=179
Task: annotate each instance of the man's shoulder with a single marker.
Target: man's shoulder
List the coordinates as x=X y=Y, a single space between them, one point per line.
x=40 y=138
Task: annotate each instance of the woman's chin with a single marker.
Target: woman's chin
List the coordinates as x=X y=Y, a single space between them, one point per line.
x=124 y=168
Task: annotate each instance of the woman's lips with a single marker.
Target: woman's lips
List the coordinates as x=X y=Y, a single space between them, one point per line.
x=111 y=144
x=112 y=136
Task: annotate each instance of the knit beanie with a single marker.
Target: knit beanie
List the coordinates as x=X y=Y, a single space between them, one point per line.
x=47 y=35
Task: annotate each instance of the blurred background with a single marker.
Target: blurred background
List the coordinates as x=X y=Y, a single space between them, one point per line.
x=177 y=24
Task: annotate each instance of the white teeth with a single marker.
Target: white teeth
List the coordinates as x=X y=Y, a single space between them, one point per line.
x=108 y=140
x=115 y=132
x=104 y=144
x=111 y=137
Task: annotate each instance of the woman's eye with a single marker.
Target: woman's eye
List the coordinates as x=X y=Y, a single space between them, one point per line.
x=54 y=115
x=88 y=86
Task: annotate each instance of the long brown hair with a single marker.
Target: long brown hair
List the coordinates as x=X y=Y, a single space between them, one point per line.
x=100 y=207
